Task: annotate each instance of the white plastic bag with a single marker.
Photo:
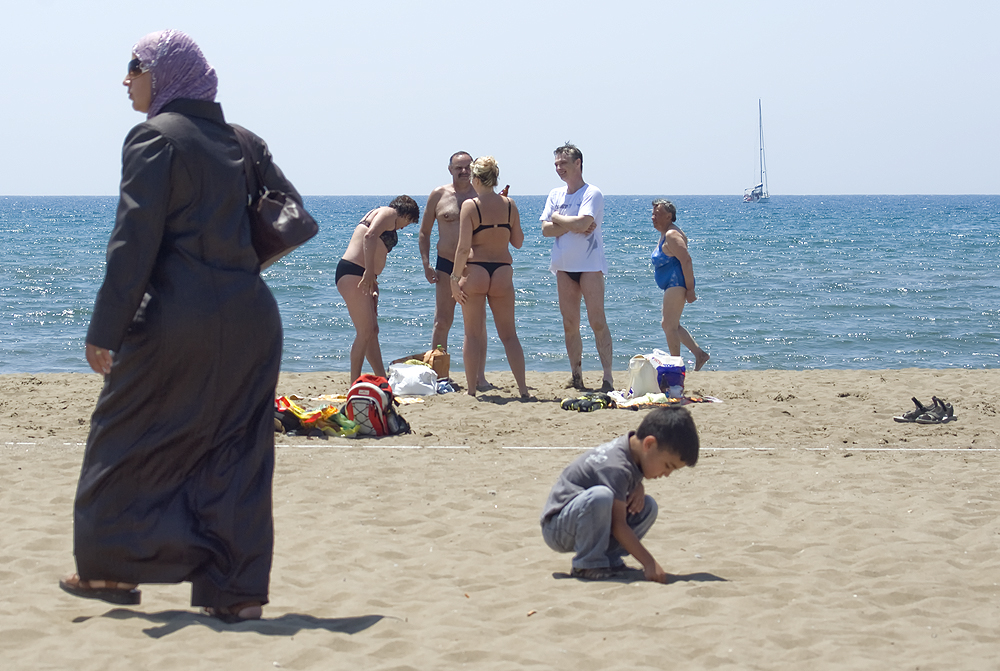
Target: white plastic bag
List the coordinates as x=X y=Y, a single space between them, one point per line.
x=670 y=372
x=409 y=379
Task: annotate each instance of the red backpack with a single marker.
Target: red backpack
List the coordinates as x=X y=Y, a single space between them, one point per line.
x=371 y=404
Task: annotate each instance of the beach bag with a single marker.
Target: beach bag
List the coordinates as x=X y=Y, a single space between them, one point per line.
x=412 y=379
x=656 y=372
x=642 y=377
x=371 y=403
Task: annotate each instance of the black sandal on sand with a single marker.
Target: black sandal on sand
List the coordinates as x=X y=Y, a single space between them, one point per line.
x=912 y=415
x=950 y=410
x=121 y=596
x=593 y=573
x=236 y=613
x=941 y=413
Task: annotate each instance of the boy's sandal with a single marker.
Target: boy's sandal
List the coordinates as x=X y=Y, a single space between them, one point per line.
x=912 y=415
x=118 y=593
x=602 y=573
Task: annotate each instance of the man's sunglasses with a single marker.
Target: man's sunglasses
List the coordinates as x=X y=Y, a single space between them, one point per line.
x=136 y=67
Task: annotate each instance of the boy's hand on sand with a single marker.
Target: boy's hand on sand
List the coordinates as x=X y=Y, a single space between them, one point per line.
x=636 y=500
x=656 y=573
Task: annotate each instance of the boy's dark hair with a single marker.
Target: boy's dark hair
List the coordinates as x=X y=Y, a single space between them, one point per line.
x=406 y=207
x=674 y=430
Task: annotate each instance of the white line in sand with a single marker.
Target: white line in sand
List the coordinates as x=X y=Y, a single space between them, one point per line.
x=550 y=447
x=544 y=447
x=362 y=446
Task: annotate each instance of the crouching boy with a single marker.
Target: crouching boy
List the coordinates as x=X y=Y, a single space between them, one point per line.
x=598 y=507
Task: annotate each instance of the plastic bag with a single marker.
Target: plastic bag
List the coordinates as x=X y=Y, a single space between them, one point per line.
x=412 y=380
x=670 y=372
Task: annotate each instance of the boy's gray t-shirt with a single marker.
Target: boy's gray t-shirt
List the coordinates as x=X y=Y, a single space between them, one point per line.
x=609 y=464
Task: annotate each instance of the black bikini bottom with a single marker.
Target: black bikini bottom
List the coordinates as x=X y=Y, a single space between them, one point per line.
x=348 y=268
x=444 y=265
x=575 y=276
x=489 y=266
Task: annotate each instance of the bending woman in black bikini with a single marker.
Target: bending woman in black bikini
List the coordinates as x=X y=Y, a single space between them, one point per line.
x=372 y=240
x=488 y=225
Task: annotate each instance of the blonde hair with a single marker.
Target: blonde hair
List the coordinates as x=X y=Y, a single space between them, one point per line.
x=486 y=170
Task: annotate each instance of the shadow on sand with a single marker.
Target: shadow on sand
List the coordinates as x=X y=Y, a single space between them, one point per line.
x=170 y=621
x=636 y=575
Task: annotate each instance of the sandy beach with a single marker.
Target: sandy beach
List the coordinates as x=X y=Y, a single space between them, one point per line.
x=814 y=531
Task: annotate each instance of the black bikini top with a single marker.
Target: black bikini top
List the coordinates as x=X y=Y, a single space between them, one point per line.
x=481 y=226
x=389 y=239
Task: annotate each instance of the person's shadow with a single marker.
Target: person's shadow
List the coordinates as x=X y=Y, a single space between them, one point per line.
x=636 y=575
x=170 y=621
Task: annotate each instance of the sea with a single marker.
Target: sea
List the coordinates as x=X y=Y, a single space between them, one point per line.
x=795 y=283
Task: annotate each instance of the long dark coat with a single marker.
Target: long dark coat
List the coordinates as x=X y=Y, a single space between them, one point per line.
x=176 y=478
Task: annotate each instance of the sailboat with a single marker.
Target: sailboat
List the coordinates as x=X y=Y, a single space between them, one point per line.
x=759 y=192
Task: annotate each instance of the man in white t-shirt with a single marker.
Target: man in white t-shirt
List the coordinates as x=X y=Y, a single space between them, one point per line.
x=572 y=217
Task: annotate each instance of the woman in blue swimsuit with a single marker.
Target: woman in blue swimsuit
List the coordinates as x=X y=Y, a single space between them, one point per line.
x=674 y=273
x=488 y=225
x=357 y=276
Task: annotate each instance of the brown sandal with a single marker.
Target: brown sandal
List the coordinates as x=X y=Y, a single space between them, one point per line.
x=119 y=593
x=240 y=612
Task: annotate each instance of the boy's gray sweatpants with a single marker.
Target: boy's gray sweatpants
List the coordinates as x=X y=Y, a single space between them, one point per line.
x=584 y=527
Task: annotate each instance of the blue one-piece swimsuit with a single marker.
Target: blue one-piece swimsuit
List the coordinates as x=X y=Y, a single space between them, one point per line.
x=667 y=269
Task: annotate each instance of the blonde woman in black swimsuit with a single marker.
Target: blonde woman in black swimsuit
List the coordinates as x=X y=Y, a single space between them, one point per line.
x=357 y=276
x=488 y=225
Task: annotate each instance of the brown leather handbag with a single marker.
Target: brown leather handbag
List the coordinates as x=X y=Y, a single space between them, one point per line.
x=278 y=223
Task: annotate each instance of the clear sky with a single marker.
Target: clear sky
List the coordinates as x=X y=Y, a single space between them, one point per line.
x=372 y=96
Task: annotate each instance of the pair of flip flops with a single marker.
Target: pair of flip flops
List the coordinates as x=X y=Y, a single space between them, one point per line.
x=940 y=412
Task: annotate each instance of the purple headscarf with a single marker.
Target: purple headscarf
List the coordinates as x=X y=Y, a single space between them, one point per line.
x=178 y=68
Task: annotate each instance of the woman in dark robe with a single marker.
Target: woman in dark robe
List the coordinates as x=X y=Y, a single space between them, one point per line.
x=176 y=477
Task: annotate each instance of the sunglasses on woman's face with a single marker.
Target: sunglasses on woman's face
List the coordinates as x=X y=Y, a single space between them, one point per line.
x=136 y=68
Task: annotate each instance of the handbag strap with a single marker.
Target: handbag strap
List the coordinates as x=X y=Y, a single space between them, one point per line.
x=250 y=166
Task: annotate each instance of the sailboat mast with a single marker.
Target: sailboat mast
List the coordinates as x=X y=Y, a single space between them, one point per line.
x=763 y=163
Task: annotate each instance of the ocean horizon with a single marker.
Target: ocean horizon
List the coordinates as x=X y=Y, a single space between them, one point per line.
x=797 y=283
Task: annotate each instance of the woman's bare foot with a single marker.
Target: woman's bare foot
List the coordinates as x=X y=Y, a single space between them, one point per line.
x=701 y=359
